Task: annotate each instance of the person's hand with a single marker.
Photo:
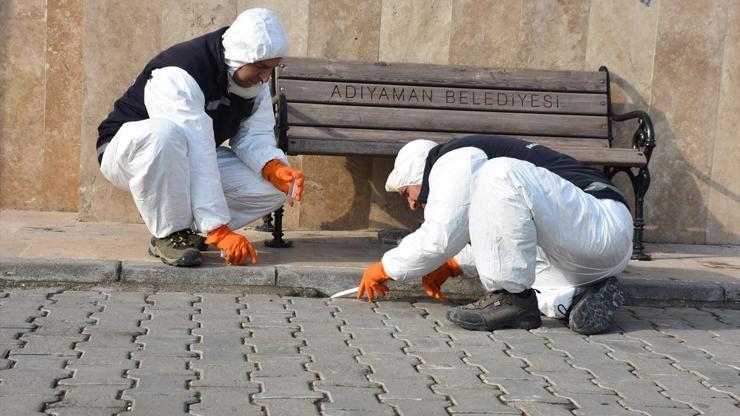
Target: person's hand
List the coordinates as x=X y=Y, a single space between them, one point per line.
x=372 y=282
x=280 y=176
x=236 y=246
x=433 y=281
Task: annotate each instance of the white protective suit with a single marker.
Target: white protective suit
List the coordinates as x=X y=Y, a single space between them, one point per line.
x=527 y=227
x=169 y=163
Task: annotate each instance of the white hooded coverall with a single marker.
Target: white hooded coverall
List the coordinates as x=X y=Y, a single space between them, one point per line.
x=177 y=177
x=527 y=227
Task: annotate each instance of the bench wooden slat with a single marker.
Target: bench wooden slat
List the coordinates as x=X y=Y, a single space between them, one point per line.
x=358 y=136
x=301 y=114
x=329 y=147
x=447 y=75
x=442 y=97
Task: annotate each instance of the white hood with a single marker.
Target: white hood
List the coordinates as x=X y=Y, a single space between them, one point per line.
x=408 y=168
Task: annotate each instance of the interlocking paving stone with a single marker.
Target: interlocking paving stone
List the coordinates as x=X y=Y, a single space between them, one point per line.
x=227 y=353
x=101 y=397
x=288 y=387
x=477 y=400
x=295 y=407
x=599 y=404
x=420 y=407
x=225 y=402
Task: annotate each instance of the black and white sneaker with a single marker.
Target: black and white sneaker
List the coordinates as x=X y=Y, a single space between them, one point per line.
x=593 y=311
x=497 y=310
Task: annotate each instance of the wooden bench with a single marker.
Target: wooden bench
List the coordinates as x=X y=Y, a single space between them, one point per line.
x=328 y=107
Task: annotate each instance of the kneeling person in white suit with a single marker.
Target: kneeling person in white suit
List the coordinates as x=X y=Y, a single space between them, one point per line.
x=163 y=141
x=521 y=217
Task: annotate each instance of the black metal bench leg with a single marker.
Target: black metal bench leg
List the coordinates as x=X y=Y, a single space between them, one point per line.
x=266 y=225
x=640 y=184
x=277 y=234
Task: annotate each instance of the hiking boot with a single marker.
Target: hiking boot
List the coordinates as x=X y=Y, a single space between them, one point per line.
x=198 y=241
x=176 y=249
x=593 y=312
x=498 y=309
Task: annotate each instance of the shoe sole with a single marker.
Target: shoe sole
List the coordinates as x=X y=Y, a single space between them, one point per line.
x=594 y=312
x=179 y=262
x=524 y=323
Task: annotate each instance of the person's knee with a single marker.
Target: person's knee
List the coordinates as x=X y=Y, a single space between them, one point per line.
x=166 y=135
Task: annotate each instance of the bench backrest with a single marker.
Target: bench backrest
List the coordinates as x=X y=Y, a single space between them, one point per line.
x=356 y=108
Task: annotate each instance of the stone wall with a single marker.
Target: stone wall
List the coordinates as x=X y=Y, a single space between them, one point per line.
x=60 y=73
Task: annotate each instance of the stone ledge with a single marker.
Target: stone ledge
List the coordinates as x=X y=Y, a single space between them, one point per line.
x=325 y=279
x=212 y=274
x=64 y=270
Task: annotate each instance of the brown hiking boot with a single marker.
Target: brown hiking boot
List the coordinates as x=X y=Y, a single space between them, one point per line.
x=176 y=249
x=497 y=310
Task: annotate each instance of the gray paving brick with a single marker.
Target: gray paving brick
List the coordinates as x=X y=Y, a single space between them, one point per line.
x=573 y=381
x=601 y=404
x=292 y=387
x=161 y=383
x=544 y=409
x=49 y=345
x=93 y=374
x=455 y=377
x=419 y=407
x=225 y=402
x=279 y=366
x=339 y=373
x=407 y=389
x=103 y=355
x=38 y=362
x=478 y=400
x=82 y=411
x=23 y=404
x=401 y=366
x=296 y=407
x=228 y=375
x=358 y=398
x=100 y=397
x=525 y=390
x=151 y=404
x=441 y=359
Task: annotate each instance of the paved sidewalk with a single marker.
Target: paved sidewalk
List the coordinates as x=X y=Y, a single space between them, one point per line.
x=55 y=247
x=104 y=351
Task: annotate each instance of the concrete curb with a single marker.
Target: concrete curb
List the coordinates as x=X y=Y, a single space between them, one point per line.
x=211 y=274
x=64 y=270
x=325 y=280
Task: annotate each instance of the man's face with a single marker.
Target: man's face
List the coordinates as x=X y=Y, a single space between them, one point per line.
x=411 y=193
x=254 y=73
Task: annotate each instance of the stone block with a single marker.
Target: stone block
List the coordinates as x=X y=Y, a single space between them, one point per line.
x=67 y=270
x=486 y=33
x=415 y=31
x=723 y=220
x=62 y=116
x=159 y=273
x=324 y=279
x=690 y=35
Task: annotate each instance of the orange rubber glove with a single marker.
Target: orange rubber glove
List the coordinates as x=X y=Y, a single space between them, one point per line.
x=280 y=176
x=433 y=281
x=372 y=282
x=236 y=246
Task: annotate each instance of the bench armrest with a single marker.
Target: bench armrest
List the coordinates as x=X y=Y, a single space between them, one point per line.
x=644 y=136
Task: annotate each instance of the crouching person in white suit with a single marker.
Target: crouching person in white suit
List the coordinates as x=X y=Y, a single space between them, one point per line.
x=163 y=141
x=543 y=232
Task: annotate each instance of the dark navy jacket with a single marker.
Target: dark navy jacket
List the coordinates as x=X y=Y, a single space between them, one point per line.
x=203 y=59
x=586 y=178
